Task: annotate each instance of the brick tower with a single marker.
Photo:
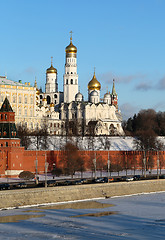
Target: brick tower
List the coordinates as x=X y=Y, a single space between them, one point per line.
x=8 y=131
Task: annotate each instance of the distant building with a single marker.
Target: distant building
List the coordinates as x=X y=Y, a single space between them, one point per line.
x=15 y=159
x=56 y=109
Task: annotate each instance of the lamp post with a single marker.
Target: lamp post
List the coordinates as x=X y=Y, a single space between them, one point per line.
x=144 y=163
x=46 y=169
x=94 y=162
x=54 y=169
x=108 y=166
x=36 y=164
x=158 y=164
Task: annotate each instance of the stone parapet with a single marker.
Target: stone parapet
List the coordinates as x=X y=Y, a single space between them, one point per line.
x=24 y=197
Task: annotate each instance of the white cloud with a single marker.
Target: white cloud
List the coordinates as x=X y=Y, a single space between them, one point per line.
x=144 y=86
x=161 y=84
x=109 y=76
x=128 y=110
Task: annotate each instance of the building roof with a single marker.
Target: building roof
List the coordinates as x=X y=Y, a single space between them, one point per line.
x=6 y=107
x=5 y=81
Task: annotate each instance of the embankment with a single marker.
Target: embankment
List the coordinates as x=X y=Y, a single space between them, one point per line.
x=23 y=197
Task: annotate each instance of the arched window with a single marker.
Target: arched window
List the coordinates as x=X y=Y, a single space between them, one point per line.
x=20 y=99
x=31 y=99
x=40 y=96
x=76 y=81
x=25 y=111
x=48 y=99
x=14 y=98
x=19 y=111
x=25 y=99
x=66 y=81
x=55 y=95
x=71 y=81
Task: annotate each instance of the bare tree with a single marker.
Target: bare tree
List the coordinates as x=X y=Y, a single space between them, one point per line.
x=71 y=159
x=23 y=134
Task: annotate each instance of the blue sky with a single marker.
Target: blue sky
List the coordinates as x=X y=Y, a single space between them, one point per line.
x=123 y=39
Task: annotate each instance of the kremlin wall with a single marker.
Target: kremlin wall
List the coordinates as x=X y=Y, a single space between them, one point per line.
x=15 y=159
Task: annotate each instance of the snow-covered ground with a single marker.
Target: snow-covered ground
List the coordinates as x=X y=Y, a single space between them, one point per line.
x=140 y=217
x=87 y=143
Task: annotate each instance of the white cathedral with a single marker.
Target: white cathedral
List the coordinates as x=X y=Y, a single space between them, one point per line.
x=56 y=109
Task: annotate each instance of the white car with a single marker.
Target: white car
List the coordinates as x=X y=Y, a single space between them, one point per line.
x=129 y=179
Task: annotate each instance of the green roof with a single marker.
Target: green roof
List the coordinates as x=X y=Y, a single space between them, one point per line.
x=6 y=107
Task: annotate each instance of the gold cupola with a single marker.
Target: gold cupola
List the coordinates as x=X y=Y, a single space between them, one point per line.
x=94 y=84
x=52 y=105
x=38 y=91
x=51 y=69
x=71 y=48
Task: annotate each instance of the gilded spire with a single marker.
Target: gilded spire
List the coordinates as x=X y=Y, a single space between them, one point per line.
x=35 y=83
x=113 y=88
x=71 y=48
x=70 y=36
x=94 y=70
x=51 y=69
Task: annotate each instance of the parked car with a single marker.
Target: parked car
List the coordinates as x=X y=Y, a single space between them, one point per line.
x=20 y=185
x=162 y=177
x=136 y=177
x=128 y=179
x=84 y=180
x=78 y=182
x=51 y=183
x=110 y=179
x=100 y=180
x=67 y=182
x=123 y=178
x=4 y=186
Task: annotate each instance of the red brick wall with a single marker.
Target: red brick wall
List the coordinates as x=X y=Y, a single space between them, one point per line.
x=17 y=158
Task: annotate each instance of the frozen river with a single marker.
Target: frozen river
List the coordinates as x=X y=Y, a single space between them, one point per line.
x=134 y=217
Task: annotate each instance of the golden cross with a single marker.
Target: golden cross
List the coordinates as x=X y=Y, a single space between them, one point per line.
x=51 y=60
x=71 y=35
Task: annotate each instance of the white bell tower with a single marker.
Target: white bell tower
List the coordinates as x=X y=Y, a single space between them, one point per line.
x=70 y=77
x=51 y=79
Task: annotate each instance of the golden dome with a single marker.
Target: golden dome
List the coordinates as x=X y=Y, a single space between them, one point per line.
x=52 y=105
x=51 y=69
x=38 y=92
x=71 y=48
x=94 y=84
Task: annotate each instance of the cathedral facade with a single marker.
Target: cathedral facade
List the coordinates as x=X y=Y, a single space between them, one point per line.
x=63 y=111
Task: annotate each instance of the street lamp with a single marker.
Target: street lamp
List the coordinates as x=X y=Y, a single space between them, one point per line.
x=36 y=164
x=108 y=166
x=46 y=169
x=54 y=169
x=158 y=164
x=94 y=163
x=144 y=163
